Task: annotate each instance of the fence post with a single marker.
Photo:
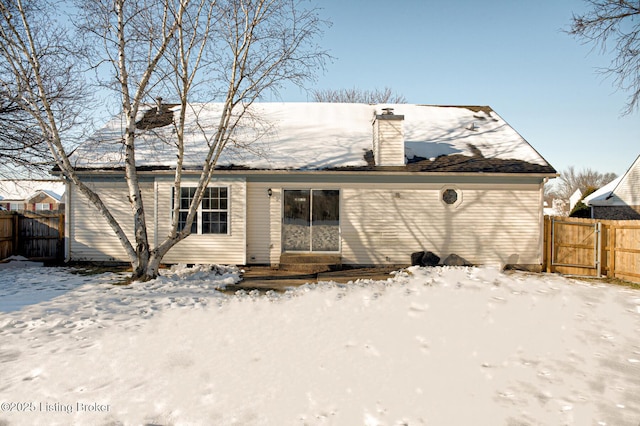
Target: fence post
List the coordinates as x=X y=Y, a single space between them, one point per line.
x=549 y=242
x=611 y=273
x=598 y=248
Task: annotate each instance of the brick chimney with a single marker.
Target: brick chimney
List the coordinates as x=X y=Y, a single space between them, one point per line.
x=388 y=139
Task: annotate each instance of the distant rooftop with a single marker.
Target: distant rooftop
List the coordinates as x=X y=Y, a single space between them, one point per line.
x=23 y=189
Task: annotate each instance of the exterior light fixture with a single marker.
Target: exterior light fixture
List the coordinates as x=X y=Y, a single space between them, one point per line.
x=269 y=192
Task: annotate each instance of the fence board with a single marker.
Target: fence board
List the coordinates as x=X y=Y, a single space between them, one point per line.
x=33 y=235
x=6 y=235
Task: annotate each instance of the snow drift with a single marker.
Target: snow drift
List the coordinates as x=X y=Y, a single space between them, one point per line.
x=427 y=346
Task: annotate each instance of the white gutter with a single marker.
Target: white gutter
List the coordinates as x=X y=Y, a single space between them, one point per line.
x=320 y=172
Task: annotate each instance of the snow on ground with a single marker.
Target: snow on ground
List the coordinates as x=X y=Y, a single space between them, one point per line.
x=427 y=346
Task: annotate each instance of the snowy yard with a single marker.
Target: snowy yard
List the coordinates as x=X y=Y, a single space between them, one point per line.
x=437 y=346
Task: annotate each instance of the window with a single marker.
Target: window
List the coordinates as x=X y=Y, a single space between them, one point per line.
x=212 y=216
x=186 y=196
x=43 y=206
x=451 y=196
x=214 y=211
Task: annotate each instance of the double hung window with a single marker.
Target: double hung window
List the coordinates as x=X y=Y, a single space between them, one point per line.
x=212 y=216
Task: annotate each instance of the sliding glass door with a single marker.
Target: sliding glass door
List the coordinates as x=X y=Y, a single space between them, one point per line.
x=311 y=220
x=296 y=221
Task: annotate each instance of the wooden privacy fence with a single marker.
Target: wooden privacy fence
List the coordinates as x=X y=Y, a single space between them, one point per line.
x=33 y=235
x=592 y=247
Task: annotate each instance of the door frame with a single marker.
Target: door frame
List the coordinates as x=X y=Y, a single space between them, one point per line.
x=282 y=226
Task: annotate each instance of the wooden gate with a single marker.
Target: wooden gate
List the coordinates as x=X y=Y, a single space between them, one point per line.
x=591 y=247
x=32 y=235
x=576 y=245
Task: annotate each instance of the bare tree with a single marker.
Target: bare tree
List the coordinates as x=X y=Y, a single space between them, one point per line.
x=614 y=25
x=23 y=145
x=22 y=149
x=571 y=180
x=232 y=51
x=359 y=96
x=48 y=90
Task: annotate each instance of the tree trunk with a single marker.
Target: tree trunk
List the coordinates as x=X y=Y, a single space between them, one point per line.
x=148 y=266
x=141 y=266
x=152 y=269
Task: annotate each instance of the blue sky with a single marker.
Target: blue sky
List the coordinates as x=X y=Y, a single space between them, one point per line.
x=510 y=54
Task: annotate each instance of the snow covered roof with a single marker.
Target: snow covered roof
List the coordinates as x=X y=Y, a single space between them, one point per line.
x=622 y=191
x=54 y=195
x=603 y=194
x=575 y=197
x=317 y=136
x=26 y=189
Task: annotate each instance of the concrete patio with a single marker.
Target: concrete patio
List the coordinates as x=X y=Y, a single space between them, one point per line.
x=265 y=278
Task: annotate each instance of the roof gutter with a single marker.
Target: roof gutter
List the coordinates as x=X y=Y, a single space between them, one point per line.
x=116 y=172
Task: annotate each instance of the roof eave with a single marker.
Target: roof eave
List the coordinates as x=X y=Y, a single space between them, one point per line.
x=283 y=172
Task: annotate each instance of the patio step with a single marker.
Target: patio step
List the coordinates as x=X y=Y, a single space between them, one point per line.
x=310 y=263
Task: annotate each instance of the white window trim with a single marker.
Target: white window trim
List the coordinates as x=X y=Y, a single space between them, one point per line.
x=458 y=199
x=199 y=211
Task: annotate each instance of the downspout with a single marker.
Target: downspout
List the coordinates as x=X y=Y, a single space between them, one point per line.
x=155 y=210
x=541 y=245
x=246 y=200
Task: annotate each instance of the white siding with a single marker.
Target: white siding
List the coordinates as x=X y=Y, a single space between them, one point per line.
x=497 y=225
x=629 y=188
x=380 y=224
x=209 y=248
x=275 y=220
x=388 y=141
x=259 y=222
x=91 y=237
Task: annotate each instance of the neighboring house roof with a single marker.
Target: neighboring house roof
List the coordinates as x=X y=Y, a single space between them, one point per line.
x=603 y=194
x=22 y=190
x=622 y=191
x=321 y=136
x=56 y=197
x=575 y=197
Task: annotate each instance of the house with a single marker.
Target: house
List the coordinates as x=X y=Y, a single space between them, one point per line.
x=32 y=195
x=558 y=207
x=619 y=199
x=368 y=184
